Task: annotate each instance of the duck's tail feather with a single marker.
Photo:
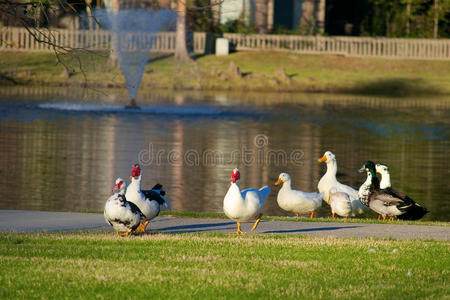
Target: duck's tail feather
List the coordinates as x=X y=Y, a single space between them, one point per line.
x=413 y=212
x=264 y=191
x=166 y=204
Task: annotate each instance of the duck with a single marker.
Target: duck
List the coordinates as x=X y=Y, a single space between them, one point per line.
x=246 y=205
x=415 y=212
x=122 y=215
x=150 y=202
x=329 y=181
x=386 y=202
x=298 y=202
x=340 y=203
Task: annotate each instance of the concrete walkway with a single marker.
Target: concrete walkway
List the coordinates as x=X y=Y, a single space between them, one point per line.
x=31 y=221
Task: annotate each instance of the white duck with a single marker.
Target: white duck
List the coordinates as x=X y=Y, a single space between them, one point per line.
x=329 y=181
x=340 y=203
x=298 y=202
x=149 y=202
x=246 y=205
x=122 y=215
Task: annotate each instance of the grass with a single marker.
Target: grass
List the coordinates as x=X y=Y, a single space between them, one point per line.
x=100 y=265
x=303 y=73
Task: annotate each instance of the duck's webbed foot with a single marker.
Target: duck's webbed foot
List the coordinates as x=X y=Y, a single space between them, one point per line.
x=257 y=222
x=239 y=231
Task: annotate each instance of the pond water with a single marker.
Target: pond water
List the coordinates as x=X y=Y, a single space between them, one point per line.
x=61 y=148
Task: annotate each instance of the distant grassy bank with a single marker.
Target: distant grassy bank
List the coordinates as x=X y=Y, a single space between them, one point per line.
x=258 y=71
x=208 y=266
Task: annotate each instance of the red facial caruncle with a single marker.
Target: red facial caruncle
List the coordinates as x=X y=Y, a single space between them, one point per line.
x=135 y=170
x=117 y=186
x=235 y=176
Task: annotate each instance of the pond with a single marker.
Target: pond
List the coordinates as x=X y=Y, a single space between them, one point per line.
x=62 y=148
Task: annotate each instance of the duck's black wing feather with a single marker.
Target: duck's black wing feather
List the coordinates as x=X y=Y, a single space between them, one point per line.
x=414 y=212
x=154 y=195
x=157 y=186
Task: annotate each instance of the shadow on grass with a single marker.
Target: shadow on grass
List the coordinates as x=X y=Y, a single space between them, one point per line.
x=158 y=57
x=396 y=87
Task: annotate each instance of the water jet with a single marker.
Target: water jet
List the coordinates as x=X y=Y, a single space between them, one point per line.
x=133 y=36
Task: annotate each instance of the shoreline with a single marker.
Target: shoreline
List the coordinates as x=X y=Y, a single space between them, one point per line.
x=243 y=71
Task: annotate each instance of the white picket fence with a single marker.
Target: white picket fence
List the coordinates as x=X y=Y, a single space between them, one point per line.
x=349 y=46
x=19 y=39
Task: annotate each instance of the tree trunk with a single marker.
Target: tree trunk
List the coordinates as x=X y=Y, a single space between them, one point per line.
x=320 y=17
x=181 y=53
x=436 y=19
x=89 y=14
x=261 y=15
x=307 y=19
x=113 y=6
x=408 y=15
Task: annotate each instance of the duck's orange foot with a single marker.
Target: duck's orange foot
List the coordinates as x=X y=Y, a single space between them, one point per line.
x=122 y=234
x=144 y=225
x=239 y=231
x=257 y=222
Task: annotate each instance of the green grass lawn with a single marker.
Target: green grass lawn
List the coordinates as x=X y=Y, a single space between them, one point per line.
x=101 y=265
x=306 y=73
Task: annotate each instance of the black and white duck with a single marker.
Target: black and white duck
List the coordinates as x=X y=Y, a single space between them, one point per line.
x=387 y=202
x=122 y=215
x=416 y=211
x=150 y=202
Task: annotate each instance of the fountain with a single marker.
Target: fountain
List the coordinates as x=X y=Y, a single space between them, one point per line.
x=133 y=37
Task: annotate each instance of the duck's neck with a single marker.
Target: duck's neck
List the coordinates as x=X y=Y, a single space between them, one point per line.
x=375 y=180
x=136 y=183
x=331 y=168
x=368 y=181
x=287 y=185
x=385 y=181
x=365 y=189
x=121 y=192
x=236 y=185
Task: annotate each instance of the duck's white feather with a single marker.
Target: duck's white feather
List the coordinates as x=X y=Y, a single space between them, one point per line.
x=120 y=214
x=329 y=181
x=340 y=204
x=296 y=201
x=149 y=208
x=246 y=205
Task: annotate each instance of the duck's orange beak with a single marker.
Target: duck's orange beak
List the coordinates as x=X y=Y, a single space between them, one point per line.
x=278 y=181
x=322 y=159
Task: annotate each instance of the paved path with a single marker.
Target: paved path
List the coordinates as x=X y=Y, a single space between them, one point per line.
x=29 y=221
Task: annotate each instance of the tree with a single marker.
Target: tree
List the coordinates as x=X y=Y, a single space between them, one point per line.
x=181 y=53
x=261 y=15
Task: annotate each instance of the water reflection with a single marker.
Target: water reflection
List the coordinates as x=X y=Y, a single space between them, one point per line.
x=63 y=159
